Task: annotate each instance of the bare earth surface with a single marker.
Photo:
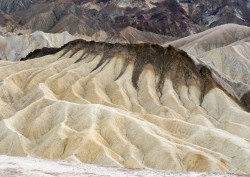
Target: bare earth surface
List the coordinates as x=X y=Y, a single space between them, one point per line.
x=15 y=47
x=132 y=105
x=31 y=167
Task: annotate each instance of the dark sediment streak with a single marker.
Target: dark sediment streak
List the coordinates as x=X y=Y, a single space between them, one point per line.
x=169 y=62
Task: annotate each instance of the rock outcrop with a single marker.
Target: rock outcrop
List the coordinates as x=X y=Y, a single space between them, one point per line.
x=126 y=105
x=14 y=47
x=225 y=49
x=217 y=12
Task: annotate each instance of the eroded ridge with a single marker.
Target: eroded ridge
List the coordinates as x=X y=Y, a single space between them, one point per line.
x=167 y=62
x=122 y=105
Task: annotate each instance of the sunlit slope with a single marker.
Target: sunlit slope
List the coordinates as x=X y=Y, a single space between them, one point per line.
x=132 y=106
x=225 y=49
x=14 y=47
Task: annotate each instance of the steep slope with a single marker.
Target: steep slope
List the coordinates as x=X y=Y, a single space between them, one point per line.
x=123 y=105
x=176 y=18
x=14 y=5
x=217 y=37
x=133 y=36
x=217 y=12
x=87 y=17
x=15 y=47
x=225 y=50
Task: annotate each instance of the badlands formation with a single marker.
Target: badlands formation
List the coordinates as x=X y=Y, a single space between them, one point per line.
x=177 y=18
x=225 y=50
x=15 y=47
x=132 y=105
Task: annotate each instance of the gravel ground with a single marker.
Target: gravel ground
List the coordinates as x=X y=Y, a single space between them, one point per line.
x=31 y=167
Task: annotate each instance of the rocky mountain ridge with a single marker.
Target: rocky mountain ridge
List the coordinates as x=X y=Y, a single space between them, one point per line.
x=171 y=18
x=157 y=107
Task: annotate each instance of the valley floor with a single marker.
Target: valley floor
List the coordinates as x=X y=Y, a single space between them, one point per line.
x=23 y=167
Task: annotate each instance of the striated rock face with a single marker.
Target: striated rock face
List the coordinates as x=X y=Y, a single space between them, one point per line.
x=217 y=12
x=125 y=105
x=225 y=50
x=15 y=47
x=172 y=17
x=89 y=17
x=14 y=5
